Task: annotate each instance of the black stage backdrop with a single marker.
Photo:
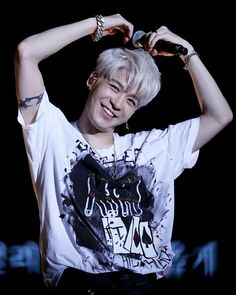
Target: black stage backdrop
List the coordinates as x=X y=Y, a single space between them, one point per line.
x=204 y=194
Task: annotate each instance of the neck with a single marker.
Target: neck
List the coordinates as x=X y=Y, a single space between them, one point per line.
x=95 y=138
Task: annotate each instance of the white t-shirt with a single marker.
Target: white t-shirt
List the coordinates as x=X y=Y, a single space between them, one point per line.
x=105 y=210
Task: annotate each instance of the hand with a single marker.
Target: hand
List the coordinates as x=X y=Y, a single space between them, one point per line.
x=115 y=23
x=163 y=33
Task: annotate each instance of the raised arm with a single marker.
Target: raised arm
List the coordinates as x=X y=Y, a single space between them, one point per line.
x=32 y=50
x=216 y=113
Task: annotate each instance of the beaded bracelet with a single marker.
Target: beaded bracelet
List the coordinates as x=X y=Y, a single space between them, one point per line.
x=97 y=35
x=187 y=60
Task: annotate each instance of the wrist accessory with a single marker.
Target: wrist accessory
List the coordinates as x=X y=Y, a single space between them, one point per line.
x=187 y=59
x=97 y=35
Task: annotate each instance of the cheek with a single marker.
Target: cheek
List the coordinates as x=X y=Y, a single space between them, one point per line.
x=129 y=112
x=91 y=104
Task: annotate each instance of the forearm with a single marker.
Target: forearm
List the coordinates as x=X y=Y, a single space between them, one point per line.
x=211 y=100
x=44 y=44
x=216 y=112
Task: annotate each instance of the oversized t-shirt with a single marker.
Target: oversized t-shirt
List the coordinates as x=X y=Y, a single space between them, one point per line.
x=105 y=210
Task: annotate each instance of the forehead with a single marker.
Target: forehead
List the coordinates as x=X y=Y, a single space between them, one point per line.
x=120 y=75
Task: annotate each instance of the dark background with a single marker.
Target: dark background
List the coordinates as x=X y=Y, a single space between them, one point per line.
x=204 y=194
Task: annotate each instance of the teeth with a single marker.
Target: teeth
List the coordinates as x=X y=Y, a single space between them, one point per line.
x=108 y=112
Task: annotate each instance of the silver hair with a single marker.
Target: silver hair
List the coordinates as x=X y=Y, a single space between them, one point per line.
x=141 y=69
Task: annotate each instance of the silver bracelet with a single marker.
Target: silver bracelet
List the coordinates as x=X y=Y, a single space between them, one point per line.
x=187 y=60
x=97 y=35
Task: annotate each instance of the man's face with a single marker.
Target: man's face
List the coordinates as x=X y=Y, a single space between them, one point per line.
x=110 y=103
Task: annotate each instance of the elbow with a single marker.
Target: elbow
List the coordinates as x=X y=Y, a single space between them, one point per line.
x=22 y=50
x=227 y=118
x=219 y=122
x=223 y=117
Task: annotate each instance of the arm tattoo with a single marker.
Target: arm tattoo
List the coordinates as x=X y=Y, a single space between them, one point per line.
x=25 y=103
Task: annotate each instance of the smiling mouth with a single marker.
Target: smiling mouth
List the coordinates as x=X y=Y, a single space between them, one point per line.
x=107 y=111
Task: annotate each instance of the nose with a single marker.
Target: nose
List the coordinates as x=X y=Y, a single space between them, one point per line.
x=117 y=102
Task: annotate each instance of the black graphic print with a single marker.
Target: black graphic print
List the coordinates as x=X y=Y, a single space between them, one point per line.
x=113 y=217
x=109 y=213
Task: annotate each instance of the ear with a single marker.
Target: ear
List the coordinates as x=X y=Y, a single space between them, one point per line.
x=92 y=79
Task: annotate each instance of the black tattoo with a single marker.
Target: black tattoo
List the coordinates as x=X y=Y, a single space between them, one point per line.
x=25 y=103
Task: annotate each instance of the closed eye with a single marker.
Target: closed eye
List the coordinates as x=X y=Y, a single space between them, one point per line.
x=114 y=87
x=132 y=101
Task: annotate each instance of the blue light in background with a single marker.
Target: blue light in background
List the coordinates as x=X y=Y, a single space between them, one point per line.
x=27 y=256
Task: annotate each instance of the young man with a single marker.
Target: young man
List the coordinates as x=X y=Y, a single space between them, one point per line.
x=106 y=202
